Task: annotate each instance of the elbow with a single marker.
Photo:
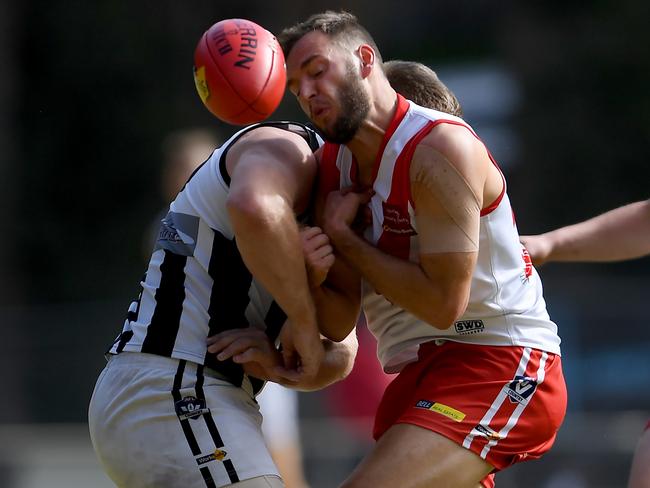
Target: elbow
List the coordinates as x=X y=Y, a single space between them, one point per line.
x=243 y=205
x=351 y=344
x=249 y=207
x=335 y=335
x=447 y=315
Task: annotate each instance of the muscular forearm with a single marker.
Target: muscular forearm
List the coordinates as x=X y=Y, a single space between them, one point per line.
x=336 y=365
x=402 y=282
x=622 y=233
x=268 y=239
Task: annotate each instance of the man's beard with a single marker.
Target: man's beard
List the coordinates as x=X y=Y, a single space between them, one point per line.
x=354 y=106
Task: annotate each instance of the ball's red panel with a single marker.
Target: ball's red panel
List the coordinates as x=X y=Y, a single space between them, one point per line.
x=239 y=71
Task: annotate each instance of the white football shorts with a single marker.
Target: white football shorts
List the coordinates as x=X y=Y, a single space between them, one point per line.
x=162 y=422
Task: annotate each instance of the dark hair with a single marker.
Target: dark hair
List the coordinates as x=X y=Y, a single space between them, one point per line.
x=341 y=26
x=421 y=84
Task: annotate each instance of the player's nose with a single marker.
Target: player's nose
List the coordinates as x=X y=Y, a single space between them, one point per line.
x=307 y=90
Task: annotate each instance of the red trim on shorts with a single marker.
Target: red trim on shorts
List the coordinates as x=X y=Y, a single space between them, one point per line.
x=647 y=427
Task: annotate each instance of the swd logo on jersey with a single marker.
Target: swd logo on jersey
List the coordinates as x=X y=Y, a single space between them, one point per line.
x=464 y=327
x=217 y=455
x=520 y=389
x=190 y=408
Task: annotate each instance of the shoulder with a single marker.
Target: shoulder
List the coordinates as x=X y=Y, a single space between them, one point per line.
x=451 y=140
x=453 y=144
x=273 y=141
x=272 y=147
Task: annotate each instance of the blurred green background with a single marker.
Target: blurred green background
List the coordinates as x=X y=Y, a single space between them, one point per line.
x=89 y=91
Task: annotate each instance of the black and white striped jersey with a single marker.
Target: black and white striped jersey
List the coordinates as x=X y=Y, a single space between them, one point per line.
x=196 y=284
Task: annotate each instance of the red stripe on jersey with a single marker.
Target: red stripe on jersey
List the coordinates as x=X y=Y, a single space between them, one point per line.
x=397 y=230
x=329 y=175
x=354 y=171
x=402 y=108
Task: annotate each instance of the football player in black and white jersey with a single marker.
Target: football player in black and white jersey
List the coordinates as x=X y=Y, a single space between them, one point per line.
x=227 y=264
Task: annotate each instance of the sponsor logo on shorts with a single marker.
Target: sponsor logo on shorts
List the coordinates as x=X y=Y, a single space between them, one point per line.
x=217 y=455
x=424 y=404
x=488 y=433
x=520 y=389
x=445 y=410
x=464 y=327
x=191 y=408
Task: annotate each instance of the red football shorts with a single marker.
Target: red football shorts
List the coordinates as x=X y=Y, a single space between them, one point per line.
x=504 y=403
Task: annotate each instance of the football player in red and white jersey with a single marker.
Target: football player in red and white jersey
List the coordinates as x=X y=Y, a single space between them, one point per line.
x=448 y=290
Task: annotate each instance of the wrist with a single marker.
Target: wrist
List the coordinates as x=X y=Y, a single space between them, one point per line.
x=338 y=232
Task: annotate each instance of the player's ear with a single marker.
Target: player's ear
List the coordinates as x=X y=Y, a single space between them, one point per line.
x=367 y=56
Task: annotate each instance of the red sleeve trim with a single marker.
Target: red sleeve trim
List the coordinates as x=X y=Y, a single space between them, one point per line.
x=492 y=206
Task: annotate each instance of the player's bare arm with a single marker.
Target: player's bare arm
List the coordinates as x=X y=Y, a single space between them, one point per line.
x=271 y=176
x=450 y=175
x=252 y=349
x=622 y=233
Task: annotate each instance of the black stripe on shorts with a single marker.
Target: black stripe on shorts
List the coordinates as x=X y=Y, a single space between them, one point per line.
x=212 y=427
x=185 y=424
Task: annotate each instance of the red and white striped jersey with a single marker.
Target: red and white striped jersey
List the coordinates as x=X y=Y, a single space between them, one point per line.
x=506 y=306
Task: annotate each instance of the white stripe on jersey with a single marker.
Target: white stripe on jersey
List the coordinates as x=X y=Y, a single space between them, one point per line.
x=147 y=300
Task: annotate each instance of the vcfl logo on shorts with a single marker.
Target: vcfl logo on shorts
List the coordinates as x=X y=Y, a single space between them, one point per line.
x=520 y=389
x=190 y=408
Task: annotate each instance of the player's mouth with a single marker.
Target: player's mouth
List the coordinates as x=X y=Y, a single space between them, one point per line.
x=319 y=112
